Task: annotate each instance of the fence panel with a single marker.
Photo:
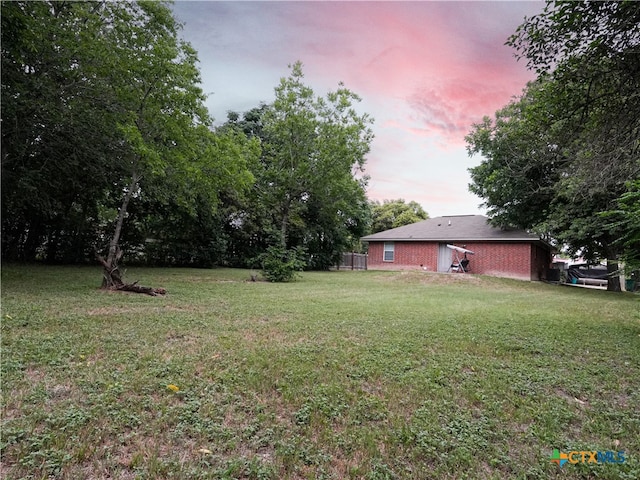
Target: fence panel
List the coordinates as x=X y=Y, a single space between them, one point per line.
x=353 y=261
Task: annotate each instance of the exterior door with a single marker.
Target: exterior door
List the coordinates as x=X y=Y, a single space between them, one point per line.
x=444 y=257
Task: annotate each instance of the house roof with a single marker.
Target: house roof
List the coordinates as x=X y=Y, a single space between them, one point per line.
x=458 y=228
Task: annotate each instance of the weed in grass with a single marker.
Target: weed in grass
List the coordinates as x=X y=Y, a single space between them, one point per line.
x=380 y=471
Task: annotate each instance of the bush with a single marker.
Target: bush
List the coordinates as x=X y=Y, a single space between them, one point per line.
x=282 y=265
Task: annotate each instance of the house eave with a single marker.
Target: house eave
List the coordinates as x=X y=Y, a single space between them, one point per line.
x=400 y=239
x=537 y=241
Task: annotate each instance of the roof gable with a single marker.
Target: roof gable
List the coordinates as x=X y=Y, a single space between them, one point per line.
x=453 y=228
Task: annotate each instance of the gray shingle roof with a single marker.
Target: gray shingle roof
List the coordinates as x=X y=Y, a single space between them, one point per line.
x=455 y=228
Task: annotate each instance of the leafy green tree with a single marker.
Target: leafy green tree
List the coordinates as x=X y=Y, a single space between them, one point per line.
x=310 y=190
x=395 y=213
x=56 y=145
x=119 y=134
x=245 y=219
x=567 y=33
x=161 y=114
x=336 y=216
x=627 y=218
x=168 y=232
x=563 y=153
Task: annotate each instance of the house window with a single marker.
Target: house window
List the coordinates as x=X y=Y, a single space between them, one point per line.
x=389 y=250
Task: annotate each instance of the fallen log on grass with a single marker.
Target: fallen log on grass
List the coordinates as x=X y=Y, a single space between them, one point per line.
x=133 y=287
x=112 y=280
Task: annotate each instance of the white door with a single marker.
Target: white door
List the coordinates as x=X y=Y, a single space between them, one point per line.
x=444 y=257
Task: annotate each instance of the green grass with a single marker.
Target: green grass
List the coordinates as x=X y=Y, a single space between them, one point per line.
x=369 y=375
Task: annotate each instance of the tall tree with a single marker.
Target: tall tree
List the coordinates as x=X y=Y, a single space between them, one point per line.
x=246 y=220
x=562 y=154
x=523 y=161
x=159 y=105
x=310 y=187
x=395 y=213
x=56 y=145
x=336 y=215
x=120 y=118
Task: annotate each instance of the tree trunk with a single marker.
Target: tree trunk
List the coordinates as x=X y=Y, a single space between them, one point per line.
x=613 y=276
x=32 y=241
x=111 y=277
x=284 y=225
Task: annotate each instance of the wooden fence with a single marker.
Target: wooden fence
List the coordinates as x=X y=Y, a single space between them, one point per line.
x=353 y=261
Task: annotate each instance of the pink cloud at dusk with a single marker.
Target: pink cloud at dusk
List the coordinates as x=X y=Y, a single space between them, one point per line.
x=441 y=60
x=426 y=71
x=450 y=109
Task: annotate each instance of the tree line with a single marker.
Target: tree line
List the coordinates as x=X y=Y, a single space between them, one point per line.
x=563 y=159
x=108 y=150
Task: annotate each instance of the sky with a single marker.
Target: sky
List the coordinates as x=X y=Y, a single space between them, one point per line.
x=426 y=72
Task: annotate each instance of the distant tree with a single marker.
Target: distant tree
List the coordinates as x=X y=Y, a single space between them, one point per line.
x=250 y=122
x=245 y=219
x=172 y=232
x=395 y=213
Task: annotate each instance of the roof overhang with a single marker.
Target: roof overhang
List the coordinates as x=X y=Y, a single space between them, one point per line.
x=450 y=240
x=537 y=241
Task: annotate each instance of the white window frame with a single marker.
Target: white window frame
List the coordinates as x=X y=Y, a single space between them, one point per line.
x=388 y=248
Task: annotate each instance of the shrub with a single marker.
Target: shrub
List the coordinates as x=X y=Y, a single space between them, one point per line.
x=282 y=265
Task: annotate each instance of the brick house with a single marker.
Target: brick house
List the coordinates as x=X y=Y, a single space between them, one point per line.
x=497 y=252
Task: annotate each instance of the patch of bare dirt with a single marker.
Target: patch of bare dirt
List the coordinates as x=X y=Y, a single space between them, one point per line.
x=580 y=402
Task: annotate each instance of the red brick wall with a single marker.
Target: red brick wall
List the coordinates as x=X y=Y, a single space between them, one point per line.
x=520 y=260
x=408 y=255
x=511 y=260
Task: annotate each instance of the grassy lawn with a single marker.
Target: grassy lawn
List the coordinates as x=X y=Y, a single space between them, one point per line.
x=372 y=375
